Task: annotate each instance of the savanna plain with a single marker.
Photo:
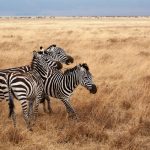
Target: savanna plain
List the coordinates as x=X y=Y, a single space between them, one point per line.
x=117 y=51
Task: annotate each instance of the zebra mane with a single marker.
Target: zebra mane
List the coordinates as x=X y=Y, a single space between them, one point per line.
x=53 y=45
x=84 y=65
x=34 y=57
x=32 y=64
x=70 y=70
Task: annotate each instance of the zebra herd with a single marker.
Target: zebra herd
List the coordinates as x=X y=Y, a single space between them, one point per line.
x=42 y=79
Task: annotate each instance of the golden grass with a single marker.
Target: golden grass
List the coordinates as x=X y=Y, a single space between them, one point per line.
x=117 y=52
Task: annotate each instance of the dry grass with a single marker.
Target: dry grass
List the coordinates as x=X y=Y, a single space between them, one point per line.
x=117 y=51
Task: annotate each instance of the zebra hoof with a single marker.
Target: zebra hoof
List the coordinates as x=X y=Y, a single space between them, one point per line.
x=50 y=112
x=73 y=117
x=30 y=129
x=33 y=123
x=44 y=110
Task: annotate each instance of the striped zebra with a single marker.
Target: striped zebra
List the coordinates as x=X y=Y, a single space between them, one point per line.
x=28 y=86
x=61 y=85
x=59 y=54
x=56 y=53
x=3 y=78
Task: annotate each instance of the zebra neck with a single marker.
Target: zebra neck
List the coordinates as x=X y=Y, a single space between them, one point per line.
x=51 y=55
x=72 y=80
x=40 y=72
x=55 y=57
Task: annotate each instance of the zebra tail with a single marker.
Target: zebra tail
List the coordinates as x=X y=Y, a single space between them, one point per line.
x=11 y=101
x=11 y=106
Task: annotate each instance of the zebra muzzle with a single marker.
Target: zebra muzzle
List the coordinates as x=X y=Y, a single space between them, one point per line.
x=93 y=90
x=69 y=60
x=59 y=65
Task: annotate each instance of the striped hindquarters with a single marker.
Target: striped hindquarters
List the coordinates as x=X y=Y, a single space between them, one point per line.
x=3 y=79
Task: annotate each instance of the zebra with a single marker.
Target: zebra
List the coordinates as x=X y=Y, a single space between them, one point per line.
x=29 y=86
x=56 y=53
x=3 y=80
x=61 y=85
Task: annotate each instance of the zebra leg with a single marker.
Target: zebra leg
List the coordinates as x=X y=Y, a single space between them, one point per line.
x=36 y=109
x=48 y=104
x=44 y=106
x=30 y=112
x=13 y=116
x=70 y=110
x=43 y=102
x=11 y=110
x=25 y=113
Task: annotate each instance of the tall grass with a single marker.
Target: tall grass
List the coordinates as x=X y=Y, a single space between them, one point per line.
x=117 y=52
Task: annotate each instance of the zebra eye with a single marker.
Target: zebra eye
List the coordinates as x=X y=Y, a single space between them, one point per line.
x=46 y=52
x=58 y=53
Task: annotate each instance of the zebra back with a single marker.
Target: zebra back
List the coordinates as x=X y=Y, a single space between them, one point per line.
x=17 y=69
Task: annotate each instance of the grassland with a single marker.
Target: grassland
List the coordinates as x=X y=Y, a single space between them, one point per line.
x=117 y=51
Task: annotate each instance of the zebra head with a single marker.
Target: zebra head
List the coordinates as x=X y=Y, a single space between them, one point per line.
x=58 y=54
x=86 y=78
x=44 y=61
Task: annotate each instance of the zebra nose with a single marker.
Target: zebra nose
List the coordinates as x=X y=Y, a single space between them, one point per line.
x=59 y=65
x=93 y=90
x=69 y=60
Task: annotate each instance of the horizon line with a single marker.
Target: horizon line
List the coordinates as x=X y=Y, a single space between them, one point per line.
x=40 y=16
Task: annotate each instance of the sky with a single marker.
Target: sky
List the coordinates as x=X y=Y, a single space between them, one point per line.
x=74 y=7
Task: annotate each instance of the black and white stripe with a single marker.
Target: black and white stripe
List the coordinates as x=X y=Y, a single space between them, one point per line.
x=61 y=85
x=3 y=78
x=19 y=69
x=56 y=53
x=29 y=86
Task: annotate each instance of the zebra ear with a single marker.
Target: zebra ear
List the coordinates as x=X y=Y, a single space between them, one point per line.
x=82 y=68
x=85 y=66
x=34 y=53
x=53 y=45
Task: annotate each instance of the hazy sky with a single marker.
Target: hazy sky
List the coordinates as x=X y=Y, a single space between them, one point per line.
x=74 y=7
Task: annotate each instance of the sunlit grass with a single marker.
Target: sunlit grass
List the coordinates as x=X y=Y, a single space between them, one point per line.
x=117 y=52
